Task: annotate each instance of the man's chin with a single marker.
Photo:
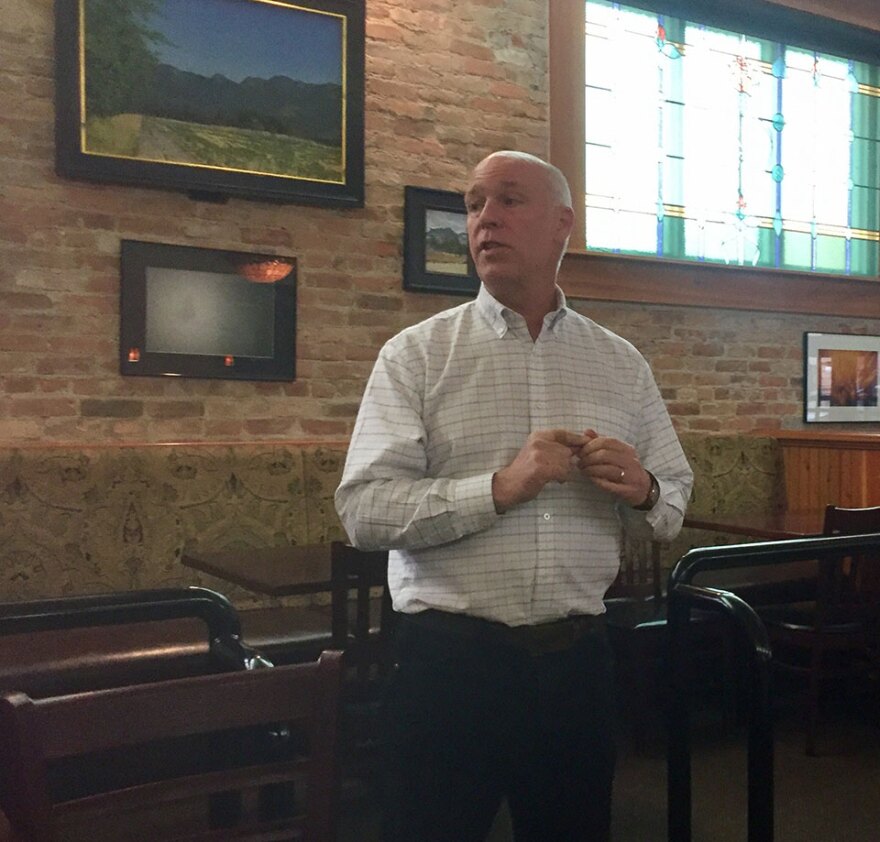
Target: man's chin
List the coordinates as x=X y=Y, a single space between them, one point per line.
x=496 y=279
x=492 y=265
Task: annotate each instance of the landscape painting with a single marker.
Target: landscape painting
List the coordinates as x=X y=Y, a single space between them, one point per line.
x=435 y=244
x=261 y=98
x=446 y=243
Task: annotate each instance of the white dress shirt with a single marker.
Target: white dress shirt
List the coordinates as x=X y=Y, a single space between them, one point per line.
x=450 y=402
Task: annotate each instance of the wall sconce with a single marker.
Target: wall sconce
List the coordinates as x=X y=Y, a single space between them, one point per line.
x=267 y=271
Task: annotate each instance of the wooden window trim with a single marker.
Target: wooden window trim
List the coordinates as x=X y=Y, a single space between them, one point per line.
x=599 y=275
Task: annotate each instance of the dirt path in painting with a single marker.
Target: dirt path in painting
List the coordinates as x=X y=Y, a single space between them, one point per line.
x=157 y=143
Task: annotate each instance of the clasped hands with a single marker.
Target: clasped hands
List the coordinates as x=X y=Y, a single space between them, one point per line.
x=557 y=455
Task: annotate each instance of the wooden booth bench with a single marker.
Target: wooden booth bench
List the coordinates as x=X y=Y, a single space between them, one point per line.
x=95 y=519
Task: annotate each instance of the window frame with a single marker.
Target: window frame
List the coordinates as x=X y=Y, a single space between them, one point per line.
x=613 y=277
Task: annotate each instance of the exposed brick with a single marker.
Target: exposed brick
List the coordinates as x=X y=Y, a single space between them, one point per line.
x=25 y=301
x=111 y=408
x=709 y=425
x=224 y=429
x=268 y=426
x=342 y=410
x=680 y=408
x=446 y=83
x=321 y=427
x=41 y=407
x=177 y=409
x=19 y=385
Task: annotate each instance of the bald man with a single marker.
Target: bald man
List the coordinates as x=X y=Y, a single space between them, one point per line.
x=501 y=449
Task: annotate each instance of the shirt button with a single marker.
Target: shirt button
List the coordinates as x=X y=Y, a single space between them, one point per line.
x=546 y=515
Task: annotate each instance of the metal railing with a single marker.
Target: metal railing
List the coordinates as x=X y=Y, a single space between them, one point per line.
x=683 y=595
x=105 y=609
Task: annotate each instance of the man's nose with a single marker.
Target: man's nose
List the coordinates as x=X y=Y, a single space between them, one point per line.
x=488 y=214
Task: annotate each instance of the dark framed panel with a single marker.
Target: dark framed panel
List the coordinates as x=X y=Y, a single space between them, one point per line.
x=195 y=312
x=436 y=257
x=265 y=103
x=841 y=375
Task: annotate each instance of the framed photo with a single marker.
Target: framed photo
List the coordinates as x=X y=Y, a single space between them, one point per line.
x=194 y=312
x=436 y=257
x=256 y=99
x=840 y=377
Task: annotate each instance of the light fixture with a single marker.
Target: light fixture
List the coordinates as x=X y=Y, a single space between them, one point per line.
x=267 y=271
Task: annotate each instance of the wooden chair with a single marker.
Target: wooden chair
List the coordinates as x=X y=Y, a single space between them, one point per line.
x=296 y=706
x=361 y=627
x=835 y=635
x=635 y=615
x=362 y=624
x=73 y=644
x=640 y=577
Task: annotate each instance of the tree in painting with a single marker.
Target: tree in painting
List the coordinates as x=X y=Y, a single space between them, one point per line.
x=119 y=58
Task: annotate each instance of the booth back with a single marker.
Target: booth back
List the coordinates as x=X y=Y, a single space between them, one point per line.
x=106 y=518
x=89 y=519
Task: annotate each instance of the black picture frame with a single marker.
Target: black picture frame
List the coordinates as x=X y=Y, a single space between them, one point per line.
x=841 y=378
x=436 y=218
x=274 y=113
x=208 y=313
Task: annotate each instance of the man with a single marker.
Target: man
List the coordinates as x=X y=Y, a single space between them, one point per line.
x=500 y=448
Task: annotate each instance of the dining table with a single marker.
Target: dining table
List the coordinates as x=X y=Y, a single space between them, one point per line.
x=275 y=571
x=768 y=525
x=765 y=526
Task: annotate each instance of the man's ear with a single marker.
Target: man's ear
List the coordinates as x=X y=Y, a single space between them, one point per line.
x=566 y=223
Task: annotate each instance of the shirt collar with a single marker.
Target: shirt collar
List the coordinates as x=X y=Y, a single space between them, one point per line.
x=498 y=316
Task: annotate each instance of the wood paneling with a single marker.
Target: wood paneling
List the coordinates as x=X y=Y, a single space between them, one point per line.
x=838 y=468
x=594 y=275
x=859 y=12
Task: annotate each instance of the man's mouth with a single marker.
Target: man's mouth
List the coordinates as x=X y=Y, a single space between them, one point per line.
x=489 y=246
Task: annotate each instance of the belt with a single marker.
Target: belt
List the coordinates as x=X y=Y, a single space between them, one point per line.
x=540 y=639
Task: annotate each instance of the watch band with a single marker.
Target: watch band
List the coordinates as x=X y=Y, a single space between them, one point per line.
x=653 y=496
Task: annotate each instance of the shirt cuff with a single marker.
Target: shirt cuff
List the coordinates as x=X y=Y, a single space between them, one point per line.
x=474 y=502
x=665 y=518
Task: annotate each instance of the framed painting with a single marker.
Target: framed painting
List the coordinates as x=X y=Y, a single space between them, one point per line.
x=195 y=312
x=436 y=257
x=841 y=377
x=266 y=102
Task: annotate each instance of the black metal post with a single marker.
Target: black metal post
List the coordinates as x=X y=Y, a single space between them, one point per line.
x=750 y=631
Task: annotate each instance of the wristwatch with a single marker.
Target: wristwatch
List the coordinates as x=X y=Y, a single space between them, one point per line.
x=653 y=496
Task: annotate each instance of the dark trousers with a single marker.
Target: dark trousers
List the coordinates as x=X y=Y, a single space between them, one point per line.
x=468 y=722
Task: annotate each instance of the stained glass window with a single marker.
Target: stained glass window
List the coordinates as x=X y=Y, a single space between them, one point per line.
x=710 y=145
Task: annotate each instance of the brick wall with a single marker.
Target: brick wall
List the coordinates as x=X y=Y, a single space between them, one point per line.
x=447 y=82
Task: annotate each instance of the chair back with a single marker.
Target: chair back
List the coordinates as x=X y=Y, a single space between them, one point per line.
x=297 y=705
x=855 y=579
x=640 y=575
x=354 y=625
x=840 y=521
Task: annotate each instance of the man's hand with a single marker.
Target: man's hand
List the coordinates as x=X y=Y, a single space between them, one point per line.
x=545 y=457
x=614 y=467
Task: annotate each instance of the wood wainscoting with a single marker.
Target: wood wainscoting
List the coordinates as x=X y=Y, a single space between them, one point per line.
x=839 y=468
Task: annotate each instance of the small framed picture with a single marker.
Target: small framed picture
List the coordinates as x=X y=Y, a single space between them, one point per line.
x=841 y=377
x=436 y=257
x=196 y=312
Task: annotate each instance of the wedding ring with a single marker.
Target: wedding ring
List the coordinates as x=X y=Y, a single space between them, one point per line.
x=622 y=475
